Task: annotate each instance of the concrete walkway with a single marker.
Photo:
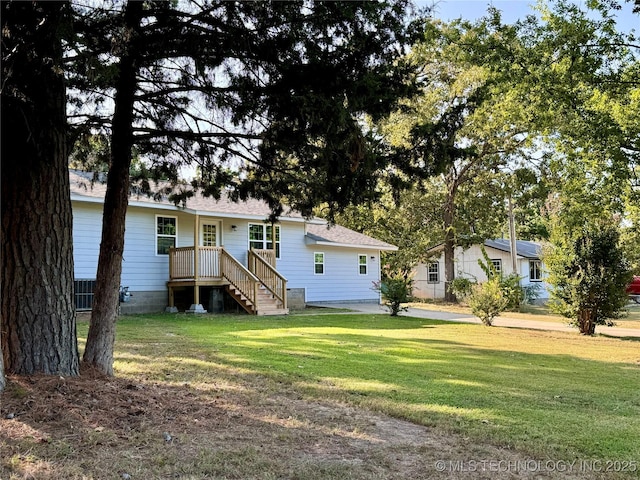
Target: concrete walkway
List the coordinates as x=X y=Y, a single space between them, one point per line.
x=501 y=321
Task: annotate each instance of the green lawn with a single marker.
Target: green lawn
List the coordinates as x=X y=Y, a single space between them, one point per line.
x=550 y=394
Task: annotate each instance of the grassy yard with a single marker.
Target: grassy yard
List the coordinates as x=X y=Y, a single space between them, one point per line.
x=550 y=394
x=534 y=312
x=291 y=397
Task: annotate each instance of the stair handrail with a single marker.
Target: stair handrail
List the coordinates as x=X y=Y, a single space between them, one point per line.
x=240 y=277
x=272 y=280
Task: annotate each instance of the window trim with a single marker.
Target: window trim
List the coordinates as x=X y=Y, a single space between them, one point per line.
x=497 y=264
x=276 y=237
x=538 y=267
x=315 y=263
x=164 y=235
x=437 y=272
x=365 y=264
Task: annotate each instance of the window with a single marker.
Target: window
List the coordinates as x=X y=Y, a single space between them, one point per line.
x=84 y=293
x=497 y=264
x=261 y=237
x=166 y=234
x=318 y=263
x=208 y=235
x=535 y=270
x=433 y=272
x=362 y=264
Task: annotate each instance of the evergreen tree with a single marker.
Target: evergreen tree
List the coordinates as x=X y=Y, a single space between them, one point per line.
x=276 y=90
x=37 y=322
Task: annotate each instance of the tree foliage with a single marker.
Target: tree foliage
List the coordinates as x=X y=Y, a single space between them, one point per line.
x=588 y=273
x=267 y=98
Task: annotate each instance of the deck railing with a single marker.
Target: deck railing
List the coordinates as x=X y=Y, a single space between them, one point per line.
x=268 y=275
x=215 y=263
x=182 y=264
x=268 y=255
x=241 y=278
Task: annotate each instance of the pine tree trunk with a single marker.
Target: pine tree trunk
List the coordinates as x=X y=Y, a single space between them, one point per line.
x=102 y=330
x=38 y=323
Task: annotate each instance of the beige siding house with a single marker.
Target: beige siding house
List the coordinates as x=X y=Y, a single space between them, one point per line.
x=429 y=277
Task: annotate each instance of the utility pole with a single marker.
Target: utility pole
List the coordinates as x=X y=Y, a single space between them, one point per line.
x=512 y=237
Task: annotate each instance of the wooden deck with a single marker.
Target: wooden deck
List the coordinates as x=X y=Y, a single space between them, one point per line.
x=259 y=289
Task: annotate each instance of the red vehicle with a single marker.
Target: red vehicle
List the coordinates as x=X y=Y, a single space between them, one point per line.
x=633 y=290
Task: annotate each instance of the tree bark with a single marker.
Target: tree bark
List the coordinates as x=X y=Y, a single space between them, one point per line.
x=38 y=321
x=102 y=330
x=2 y=379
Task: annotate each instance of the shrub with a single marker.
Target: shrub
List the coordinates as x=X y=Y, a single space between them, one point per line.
x=395 y=291
x=531 y=293
x=487 y=301
x=512 y=291
x=461 y=287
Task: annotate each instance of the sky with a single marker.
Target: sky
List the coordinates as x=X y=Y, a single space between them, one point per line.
x=512 y=10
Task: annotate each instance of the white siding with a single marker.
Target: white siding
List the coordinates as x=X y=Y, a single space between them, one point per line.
x=143 y=270
x=466 y=265
x=87 y=231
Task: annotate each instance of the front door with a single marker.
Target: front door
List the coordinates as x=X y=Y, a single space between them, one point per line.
x=209 y=231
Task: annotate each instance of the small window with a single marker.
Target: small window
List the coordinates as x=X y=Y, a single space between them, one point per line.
x=261 y=237
x=362 y=264
x=318 y=263
x=497 y=264
x=166 y=234
x=84 y=293
x=208 y=235
x=433 y=272
x=535 y=270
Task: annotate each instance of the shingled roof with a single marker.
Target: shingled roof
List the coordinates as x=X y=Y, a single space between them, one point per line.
x=525 y=249
x=340 y=236
x=84 y=188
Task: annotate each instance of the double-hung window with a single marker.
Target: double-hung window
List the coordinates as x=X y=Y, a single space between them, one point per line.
x=318 y=263
x=261 y=237
x=362 y=264
x=535 y=270
x=497 y=264
x=166 y=234
x=433 y=272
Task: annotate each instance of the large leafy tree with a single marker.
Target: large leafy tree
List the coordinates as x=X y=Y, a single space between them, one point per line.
x=586 y=73
x=455 y=135
x=276 y=90
x=37 y=324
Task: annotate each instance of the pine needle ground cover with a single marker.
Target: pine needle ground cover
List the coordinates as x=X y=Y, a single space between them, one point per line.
x=327 y=396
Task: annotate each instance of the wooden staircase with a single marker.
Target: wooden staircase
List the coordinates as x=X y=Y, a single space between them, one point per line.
x=268 y=304
x=260 y=289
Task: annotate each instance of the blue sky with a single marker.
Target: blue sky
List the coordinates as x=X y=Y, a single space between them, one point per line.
x=512 y=10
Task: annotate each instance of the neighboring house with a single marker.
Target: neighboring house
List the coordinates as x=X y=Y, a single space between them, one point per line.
x=428 y=280
x=237 y=262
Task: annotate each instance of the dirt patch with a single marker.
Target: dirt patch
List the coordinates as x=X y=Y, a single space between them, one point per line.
x=95 y=427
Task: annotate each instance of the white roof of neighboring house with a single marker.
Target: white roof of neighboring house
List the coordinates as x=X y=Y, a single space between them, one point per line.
x=84 y=189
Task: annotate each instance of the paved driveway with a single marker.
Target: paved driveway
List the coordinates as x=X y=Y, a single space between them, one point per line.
x=501 y=321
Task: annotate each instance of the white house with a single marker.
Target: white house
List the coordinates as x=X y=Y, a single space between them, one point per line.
x=429 y=277
x=216 y=253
